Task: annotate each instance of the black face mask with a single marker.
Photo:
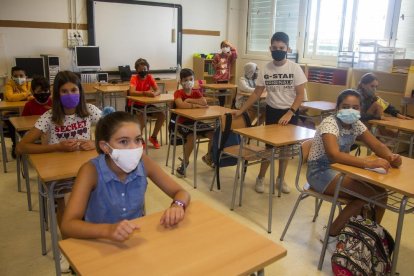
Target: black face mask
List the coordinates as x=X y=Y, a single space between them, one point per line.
x=42 y=97
x=143 y=74
x=279 y=55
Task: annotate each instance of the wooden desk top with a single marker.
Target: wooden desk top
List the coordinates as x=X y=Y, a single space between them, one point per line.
x=163 y=98
x=60 y=165
x=23 y=123
x=397 y=179
x=12 y=105
x=218 y=86
x=246 y=94
x=392 y=122
x=111 y=88
x=320 y=105
x=206 y=242
x=213 y=111
x=277 y=135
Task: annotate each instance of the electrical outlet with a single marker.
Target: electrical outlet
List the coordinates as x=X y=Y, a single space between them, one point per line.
x=75 y=38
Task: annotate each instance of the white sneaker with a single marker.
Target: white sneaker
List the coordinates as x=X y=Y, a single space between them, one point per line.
x=332 y=241
x=64 y=264
x=285 y=187
x=259 y=187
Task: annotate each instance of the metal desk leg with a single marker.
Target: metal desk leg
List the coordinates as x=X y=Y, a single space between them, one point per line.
x=282 y=176
x=271 y=190
x=3 y=149
x=146 y=129
x=236 y=176
x=410 y=153
x=403 y=204
x=195 y=154
x=53 y=228
x=41 y=216
x=175 y=143
x=27 y=180
x=18 y=164
x=331 y=215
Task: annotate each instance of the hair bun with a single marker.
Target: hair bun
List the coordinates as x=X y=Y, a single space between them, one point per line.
x=107 y=110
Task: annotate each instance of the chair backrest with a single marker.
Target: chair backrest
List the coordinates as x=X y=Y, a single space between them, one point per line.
x=239 y=122
x=303 y=158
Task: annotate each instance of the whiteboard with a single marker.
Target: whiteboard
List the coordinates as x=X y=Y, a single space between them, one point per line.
x=127 y=30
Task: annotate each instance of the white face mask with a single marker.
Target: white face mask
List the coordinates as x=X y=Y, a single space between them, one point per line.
x=19 y=81
x=226 y=49
x=126 y=159
x=188 y=84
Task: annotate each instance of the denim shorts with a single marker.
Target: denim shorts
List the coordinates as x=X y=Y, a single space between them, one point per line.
x=320 y=175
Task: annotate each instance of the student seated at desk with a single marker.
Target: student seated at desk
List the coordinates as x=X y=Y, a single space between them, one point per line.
x=333 y=140
x=109 y=190
x=373 y=107
x=15 y=90
x=143 y=84
x=41 y=102
x=190 y=98
x=247 y=84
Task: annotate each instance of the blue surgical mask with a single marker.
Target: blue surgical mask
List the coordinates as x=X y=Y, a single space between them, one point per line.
x=348 y=116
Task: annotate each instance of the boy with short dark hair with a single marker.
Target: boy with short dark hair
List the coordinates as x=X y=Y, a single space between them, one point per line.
x=41 y=101
x=284 y=81
x=188 y=97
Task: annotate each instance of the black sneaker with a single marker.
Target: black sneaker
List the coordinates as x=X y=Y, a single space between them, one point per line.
x=180 y=172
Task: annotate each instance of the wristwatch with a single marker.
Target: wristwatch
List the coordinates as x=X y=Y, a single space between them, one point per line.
x=178 y=203
x=293 y=111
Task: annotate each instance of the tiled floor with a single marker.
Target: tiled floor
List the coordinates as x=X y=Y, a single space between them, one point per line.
x=20 y=238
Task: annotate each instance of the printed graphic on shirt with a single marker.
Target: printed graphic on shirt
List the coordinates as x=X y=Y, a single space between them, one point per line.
x=274 y=82
x=71 y=131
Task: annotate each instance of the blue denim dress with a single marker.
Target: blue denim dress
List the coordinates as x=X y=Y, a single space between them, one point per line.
x=320 y=174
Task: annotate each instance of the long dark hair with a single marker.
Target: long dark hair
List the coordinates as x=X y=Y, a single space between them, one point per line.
x=366 y=79
x=58 y=113
x=109 y=124
x=345 y=94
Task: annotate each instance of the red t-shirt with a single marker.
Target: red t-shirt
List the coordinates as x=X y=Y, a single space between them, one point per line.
x=32 y=107
x=142 y=85
x=195 y=94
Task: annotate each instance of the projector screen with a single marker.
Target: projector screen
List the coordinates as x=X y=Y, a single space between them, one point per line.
x=127 y=30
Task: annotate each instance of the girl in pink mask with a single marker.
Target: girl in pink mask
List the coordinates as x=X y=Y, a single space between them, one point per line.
x=120 y=170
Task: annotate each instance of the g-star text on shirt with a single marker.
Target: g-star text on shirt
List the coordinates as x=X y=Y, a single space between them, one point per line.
x=275 y=81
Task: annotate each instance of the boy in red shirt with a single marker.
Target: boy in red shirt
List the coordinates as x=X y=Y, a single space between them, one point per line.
x=190 y=98
x=42 y=101
x=143 y=84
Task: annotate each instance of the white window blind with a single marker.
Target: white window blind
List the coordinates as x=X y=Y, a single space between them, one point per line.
x=287 y=19
x=405 y=33
x=260 y=21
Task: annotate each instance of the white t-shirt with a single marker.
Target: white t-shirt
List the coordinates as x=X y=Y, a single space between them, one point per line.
x=330 y=125
x=74 y=127
x=280 y=82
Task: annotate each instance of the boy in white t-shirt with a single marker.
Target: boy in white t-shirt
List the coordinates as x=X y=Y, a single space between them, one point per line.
x=284 y=81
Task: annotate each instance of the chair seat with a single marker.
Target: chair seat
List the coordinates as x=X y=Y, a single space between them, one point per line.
x=324 y=197
x=249 y=152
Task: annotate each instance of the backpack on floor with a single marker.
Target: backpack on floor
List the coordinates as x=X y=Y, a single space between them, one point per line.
x=364 y=248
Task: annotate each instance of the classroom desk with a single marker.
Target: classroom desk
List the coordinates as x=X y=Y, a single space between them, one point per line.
x=52 y=169
x=23 y=123
x=285 y=145
x=146 y=101
x=399 y=184
x=215 y=87
x=206 y=242
x=401 y=125
x=111 y=91
x=324 y=108
x=211 y=113
x=7 y=106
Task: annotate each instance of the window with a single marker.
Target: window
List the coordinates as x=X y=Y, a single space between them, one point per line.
x=266 y=17
x=405 y=34
x=335 y=25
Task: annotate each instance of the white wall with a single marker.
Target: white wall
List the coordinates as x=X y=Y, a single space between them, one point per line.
x=197 y=14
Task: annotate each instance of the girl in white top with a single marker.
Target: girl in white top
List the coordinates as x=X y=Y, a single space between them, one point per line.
x=68 y=124
x=332 y=143
x=247 y=84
